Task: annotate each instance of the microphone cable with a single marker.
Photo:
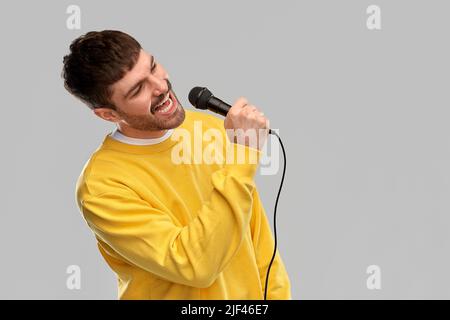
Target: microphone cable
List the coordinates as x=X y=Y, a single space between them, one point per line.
x=275 y=212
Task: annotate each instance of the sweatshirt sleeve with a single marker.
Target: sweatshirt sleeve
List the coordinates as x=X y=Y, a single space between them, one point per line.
x=194 y=254
x=263 y=242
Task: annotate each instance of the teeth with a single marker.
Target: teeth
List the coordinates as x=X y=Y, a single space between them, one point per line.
x=164 y=101
x=166 y=108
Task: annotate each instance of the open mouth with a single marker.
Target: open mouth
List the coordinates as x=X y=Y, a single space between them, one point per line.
x=167 y=106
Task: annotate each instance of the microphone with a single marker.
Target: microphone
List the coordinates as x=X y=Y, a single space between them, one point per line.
x=202 y=98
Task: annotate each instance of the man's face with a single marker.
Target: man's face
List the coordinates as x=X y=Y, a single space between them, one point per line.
x=139 y=94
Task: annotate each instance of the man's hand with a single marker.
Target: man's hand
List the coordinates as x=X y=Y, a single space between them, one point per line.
x=246 y=125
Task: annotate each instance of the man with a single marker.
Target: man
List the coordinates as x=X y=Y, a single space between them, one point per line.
x=168 y=230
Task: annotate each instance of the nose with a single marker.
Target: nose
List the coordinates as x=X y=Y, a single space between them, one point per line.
x=159 y=84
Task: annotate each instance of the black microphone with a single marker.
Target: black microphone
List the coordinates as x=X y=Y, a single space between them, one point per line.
x=202 y=98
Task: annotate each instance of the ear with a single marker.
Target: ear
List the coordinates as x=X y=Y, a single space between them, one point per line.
x=107 y=114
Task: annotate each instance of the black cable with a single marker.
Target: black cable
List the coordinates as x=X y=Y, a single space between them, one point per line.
x=275 y=213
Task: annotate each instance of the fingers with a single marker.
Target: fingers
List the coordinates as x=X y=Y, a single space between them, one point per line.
x=249 y=109
x=246 y=116
x=254 y=111
x=242 y=108
x=240 y=104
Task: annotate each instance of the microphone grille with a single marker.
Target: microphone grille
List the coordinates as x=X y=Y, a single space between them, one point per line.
x=199 y=96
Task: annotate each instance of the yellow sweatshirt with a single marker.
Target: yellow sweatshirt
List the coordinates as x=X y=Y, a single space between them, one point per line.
x=180 y=230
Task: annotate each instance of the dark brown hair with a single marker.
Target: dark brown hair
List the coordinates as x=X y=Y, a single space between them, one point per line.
x=97 y=60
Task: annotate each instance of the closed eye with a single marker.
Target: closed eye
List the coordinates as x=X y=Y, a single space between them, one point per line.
x=140 y=87
x=137 y=91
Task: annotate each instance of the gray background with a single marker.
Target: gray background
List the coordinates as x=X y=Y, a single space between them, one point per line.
x=363 y=115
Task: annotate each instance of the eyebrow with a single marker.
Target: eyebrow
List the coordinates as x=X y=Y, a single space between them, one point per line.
x=137 y=84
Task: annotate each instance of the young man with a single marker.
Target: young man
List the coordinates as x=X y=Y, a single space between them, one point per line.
x=168 y=229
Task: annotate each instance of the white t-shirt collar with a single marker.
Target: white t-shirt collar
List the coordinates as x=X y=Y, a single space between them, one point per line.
x=116 y=134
